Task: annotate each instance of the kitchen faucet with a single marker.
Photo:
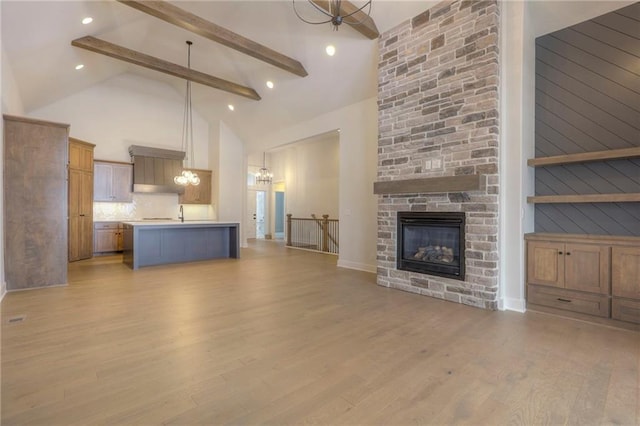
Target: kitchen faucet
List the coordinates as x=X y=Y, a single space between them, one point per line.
x=181 y=216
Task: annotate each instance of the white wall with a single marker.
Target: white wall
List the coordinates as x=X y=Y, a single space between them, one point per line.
x=128 y=110
x=516 y=145
x=232 y=177
x=11 y=100
x=310 y=173
x=11 y=104
x=131 y=110
x=358 y=125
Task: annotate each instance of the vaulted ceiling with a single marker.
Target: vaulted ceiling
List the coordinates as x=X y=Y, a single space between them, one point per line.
x=36 y=38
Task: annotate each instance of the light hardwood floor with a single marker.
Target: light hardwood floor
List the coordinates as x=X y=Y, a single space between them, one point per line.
x=285 y=337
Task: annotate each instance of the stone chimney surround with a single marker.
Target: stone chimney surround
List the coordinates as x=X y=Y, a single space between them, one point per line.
x=438 y=112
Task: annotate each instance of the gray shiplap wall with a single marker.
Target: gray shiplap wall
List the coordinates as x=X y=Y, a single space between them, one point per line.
x=588 y=99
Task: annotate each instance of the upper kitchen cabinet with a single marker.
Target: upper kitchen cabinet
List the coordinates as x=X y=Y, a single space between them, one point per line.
x=112 y=181
x=35 y=202
x=81 y=155
x=199 y=194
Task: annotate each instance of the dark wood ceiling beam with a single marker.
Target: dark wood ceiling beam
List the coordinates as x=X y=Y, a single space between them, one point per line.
x=133 y=57
x=187 y=20
x=366 y=26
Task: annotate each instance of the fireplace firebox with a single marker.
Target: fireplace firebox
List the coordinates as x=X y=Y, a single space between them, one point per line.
x=431 y=243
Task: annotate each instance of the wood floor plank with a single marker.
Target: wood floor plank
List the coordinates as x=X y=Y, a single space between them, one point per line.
x=282 y=336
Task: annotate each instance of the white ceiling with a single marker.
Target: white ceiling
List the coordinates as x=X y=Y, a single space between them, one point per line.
x=36 y=39
x=37 y=35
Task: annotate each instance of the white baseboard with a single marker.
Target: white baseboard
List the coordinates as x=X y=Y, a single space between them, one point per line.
x=357 y=266
x=517 y=305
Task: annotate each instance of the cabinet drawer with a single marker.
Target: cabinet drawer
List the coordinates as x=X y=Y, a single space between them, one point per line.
x=106 y=225
x=585 y=303
x=625 y=310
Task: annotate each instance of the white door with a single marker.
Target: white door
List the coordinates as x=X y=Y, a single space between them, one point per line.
x=261 y=199
x=250 y=229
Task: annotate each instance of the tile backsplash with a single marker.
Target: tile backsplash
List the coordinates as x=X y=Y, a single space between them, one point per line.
x=150 y=205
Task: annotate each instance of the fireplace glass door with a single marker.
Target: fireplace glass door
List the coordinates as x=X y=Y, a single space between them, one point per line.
x=431 y=243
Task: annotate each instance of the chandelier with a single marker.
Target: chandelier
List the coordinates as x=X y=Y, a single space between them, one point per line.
x=336 y=13
x=187 y=177
x=264 y=175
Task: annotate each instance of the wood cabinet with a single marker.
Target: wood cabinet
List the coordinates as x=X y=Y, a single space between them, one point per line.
x=36 y=154
x=586 y=274
x=583 y=267
x=200 y=194
x=80 y=199
x=113 y=181
x=81 y=155
x=107 y=237
x=80 y=214
x=625 y=284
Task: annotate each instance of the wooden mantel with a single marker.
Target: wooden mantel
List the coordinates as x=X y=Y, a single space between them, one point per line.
x=432 y=185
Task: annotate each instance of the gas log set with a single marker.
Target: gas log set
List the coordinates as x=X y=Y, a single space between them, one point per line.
x=434 y=254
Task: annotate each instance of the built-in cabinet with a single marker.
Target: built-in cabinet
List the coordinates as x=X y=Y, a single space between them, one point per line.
x=590 y=275
x=35 y=213
x=585 y=274
x=199 y=194
x=625 y=281
x=113 y=181
x=80 y=199
x=107 y=237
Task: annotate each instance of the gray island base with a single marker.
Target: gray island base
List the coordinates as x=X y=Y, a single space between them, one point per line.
x=159 y=243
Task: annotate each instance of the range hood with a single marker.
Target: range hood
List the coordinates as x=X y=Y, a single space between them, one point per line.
x=154 y=169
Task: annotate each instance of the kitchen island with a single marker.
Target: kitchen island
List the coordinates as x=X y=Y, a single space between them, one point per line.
x=150 y=243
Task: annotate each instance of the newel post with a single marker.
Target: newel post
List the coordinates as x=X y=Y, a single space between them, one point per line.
x=289 y=229
x=325 y=232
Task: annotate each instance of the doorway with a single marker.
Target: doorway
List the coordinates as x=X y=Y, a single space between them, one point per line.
x=279 y=216
x=256 y=207
x=261 y=197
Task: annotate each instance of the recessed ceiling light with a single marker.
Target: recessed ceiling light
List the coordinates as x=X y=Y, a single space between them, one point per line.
x=87 y=20
x=231 y=107
x=79 y=66
x=331 y=50
x=270 y=84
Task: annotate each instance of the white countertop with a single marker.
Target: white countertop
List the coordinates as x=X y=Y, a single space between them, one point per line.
x=176 y=222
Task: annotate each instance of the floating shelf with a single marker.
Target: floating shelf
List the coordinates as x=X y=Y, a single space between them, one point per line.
x=592 y=198
x=433 y=185
x=585 y=157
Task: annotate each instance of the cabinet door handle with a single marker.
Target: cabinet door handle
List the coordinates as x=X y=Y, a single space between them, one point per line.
x=81 y=215
x=559 y=253
x=559 y=299
x=568 y=254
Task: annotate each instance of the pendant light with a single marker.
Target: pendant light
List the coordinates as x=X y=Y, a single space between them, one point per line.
x=264 y=175
x=335 y=14
x=187 y=177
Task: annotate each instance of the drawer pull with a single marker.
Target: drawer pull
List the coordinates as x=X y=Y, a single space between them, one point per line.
x=559 y=253
x=568 y=254
x=559 y=299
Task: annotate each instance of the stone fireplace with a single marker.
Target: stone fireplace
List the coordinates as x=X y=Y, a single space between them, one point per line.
x=438 y=81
